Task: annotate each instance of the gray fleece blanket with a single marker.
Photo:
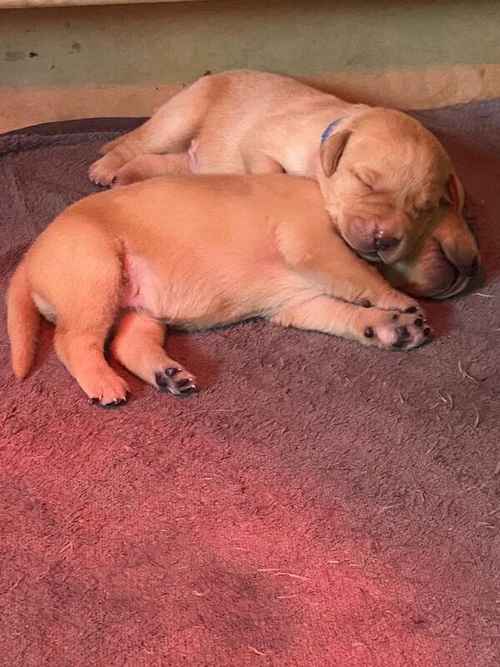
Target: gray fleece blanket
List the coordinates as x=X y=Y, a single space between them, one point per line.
x=317 y=503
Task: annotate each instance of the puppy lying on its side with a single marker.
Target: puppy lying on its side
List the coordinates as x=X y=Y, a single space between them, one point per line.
x=428 y=272
x=194 y=252
x=383 y=176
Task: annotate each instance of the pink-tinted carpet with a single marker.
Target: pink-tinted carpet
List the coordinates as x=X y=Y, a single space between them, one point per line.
x=317 y=504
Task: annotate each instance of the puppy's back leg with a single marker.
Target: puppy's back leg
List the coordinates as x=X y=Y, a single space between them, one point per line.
x=81 y=351
x=138 y=345
x=147 y=166
x=370 y=326
x=169 y=130
x=85 y=308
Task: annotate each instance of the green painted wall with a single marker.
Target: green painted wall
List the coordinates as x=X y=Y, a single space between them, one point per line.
x=170 y=42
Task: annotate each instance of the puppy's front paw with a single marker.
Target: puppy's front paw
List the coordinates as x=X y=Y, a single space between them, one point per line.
x=177 y=381
x=397 y=331
x=103 y=171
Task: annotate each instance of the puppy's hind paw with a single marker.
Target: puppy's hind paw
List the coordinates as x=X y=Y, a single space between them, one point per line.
x=108 y=390
x=114 y=403
x=103 y=172
x=177 y=381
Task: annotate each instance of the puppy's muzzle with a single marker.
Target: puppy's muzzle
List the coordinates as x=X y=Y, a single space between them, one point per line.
x=385 y=249
x=378 y=238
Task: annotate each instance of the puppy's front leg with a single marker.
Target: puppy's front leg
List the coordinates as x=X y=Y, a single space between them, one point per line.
x=360 y=283
x=138 y=345
x=385 y=329
x=319 y=254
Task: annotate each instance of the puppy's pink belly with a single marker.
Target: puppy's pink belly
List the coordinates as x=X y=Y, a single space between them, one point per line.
x=186 y=301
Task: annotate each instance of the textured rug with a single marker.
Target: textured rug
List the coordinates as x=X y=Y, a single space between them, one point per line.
x=317 y=504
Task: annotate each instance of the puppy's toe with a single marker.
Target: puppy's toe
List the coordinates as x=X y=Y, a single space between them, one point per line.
x=109 y=392
x=177 y=381
x=114 y=403
x=399 y=331
x=102 y=172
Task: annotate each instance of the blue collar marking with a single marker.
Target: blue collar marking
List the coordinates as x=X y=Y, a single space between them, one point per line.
x=328 y=131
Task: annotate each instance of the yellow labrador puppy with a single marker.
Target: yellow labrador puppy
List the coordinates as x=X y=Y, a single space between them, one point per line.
x=194 y=252
x=428 y=272
x=383 y=176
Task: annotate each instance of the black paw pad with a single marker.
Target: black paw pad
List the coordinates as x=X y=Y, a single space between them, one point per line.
x=369 y=333
x=411 y=309
x=403 y=332
x=112 y=404
x=174 y=380
x=402 y=337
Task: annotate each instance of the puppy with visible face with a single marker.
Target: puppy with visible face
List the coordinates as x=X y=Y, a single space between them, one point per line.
x=194 y=252
x=385 y=179
x=428 y=272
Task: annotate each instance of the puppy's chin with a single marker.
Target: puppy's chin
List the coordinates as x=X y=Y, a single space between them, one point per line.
x=428 y=275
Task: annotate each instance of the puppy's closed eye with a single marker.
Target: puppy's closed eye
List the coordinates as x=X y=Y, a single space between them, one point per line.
x=363 y=181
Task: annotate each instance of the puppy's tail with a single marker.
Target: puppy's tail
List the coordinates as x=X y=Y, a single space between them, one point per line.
x=23 y=321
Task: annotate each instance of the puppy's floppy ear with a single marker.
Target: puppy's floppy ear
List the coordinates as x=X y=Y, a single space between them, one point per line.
x=331 y=150
x=457 y=243
x=455 y=195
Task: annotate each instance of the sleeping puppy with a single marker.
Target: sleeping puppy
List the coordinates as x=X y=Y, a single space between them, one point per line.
x=383 y=176
x=194 y=252
x=428 y=273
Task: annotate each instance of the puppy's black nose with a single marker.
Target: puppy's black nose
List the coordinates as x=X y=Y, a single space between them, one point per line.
x=386 y=242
